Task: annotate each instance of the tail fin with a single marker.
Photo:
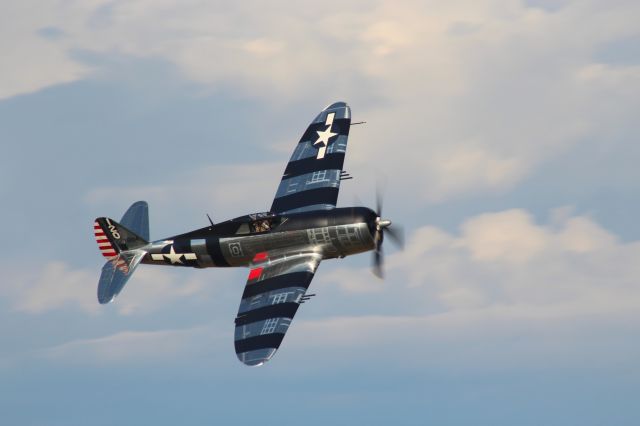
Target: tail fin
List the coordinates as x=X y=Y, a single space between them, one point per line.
x=137 y=219
x=113 y=238
x=123 y=246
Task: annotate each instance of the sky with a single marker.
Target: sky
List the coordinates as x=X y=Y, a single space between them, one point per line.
x=502 y=133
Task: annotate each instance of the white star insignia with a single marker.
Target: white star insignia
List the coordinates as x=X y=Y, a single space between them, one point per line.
x=325 y=135
x=173 y=256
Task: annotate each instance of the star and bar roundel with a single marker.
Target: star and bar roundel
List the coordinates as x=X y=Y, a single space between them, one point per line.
x=175 y=257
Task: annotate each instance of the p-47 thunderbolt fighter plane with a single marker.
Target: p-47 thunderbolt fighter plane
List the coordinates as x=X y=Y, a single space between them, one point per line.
x=282 y=247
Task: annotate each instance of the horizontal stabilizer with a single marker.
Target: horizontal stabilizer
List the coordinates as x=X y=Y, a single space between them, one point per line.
x=116 y=272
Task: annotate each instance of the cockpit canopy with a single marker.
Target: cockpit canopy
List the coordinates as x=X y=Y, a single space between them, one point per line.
x=256 y=223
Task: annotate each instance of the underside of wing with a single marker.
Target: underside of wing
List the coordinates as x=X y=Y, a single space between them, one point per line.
x=311 y=180
x=274 y=291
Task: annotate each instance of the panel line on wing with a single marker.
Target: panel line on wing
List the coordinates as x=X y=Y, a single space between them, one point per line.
x=278 y=310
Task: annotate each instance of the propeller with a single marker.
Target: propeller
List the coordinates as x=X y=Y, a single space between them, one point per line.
x=383 y=226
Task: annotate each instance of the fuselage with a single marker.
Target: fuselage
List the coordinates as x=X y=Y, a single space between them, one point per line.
x=332 y=233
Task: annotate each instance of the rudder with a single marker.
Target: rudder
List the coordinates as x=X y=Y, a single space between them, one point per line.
x=113 y=238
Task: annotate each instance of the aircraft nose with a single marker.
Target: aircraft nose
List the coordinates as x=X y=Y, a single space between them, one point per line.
x=382 y=223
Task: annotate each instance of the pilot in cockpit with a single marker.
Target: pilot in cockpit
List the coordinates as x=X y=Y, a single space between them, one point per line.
x=261 y=225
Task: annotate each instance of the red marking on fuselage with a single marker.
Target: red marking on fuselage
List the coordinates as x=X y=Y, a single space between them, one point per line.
x=255 y=273
x=259 y=257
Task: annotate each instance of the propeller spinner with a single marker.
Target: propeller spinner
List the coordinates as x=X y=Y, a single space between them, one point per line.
x=383 y=226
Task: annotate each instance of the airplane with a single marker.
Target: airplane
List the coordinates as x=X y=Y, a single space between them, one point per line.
x=282 y=247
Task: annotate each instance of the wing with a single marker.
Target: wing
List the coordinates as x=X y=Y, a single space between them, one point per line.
x=312 y=178
x=272 y=295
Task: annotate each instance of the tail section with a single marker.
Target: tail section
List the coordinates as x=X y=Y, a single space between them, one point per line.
x=137 y=219
x=113 y=238
x=107 y=248
x=116 y=273
x=123 y=246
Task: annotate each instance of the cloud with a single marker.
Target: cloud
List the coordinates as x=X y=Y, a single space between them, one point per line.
x=471 y=341
x=53 y=286
x=506 y=259
x=56 y=285
x=501 y=267
x=461 y=97
x=500 y=262
x=503 y=293
x=36 y=48
x=226 y=191
x=137 y=347
x=507 y=237
x=153 y=289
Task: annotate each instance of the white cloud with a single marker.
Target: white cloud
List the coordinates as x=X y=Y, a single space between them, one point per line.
x=352 y=280
x=504 y=262
x=31 y=61
x=57 y=285
x=223 y=191
x=138 y=347
x=505 y=292
x=500 y=338
x=153 y=288
x=503 y=276
x=52 y=286
x=461 y=97
x=505 y=237
x=506 y=259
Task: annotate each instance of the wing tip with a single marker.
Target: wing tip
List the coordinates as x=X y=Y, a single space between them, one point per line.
x=341 y=109
x=105 y=300
x=335 y=105
x=256 y=358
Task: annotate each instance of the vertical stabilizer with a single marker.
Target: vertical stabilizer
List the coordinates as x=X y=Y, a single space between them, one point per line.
x=136 y=219
x=113 y=238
